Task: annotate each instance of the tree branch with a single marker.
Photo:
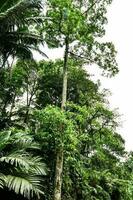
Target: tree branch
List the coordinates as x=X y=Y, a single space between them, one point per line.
x=85 y=13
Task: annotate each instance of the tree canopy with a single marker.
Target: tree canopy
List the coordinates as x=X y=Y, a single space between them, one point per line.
x=59 y=138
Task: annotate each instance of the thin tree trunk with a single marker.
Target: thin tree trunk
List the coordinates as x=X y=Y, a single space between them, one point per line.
x=29 y=100
x=65 y=70
x=60 y=153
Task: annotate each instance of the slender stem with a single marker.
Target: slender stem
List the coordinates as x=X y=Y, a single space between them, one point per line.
x=65 y=71
x=60 y=152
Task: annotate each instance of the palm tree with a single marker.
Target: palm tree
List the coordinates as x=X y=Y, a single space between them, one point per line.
x=19 y=32
x=20 y=170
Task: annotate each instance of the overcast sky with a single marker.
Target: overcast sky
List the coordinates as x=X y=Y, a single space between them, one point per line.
x=120 y=32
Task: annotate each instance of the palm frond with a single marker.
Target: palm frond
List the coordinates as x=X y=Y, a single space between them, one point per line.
x=27 y=186
x=38 y=167
x=15 y=33
x=25 y=162
x=39 y=51
x=4 y=139
x=23 y=140
x=17 y=12
x=22 y=48
x=2 y=182
x=16 y=159
x=21 y=171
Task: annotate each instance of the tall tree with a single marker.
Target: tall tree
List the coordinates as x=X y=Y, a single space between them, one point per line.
x=76 y=25
x=93 y=149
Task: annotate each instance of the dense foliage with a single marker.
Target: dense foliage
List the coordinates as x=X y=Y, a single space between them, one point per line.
x=48 y=149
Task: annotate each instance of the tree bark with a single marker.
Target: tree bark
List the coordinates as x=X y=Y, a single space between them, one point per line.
x=60 y=152
x=65 y=71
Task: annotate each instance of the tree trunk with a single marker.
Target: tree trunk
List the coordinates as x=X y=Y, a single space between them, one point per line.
x=60 y=153
x=65 y=69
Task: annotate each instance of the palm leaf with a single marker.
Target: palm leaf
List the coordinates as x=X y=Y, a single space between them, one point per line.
x=25 y=162
x=15 y=34
x=25 y=141
x=17 y=12
x=27 y=186
x=21 y=171
x=2 y=182
x=4 y=139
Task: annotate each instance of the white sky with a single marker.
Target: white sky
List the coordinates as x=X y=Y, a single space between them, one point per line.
x=120 y=31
